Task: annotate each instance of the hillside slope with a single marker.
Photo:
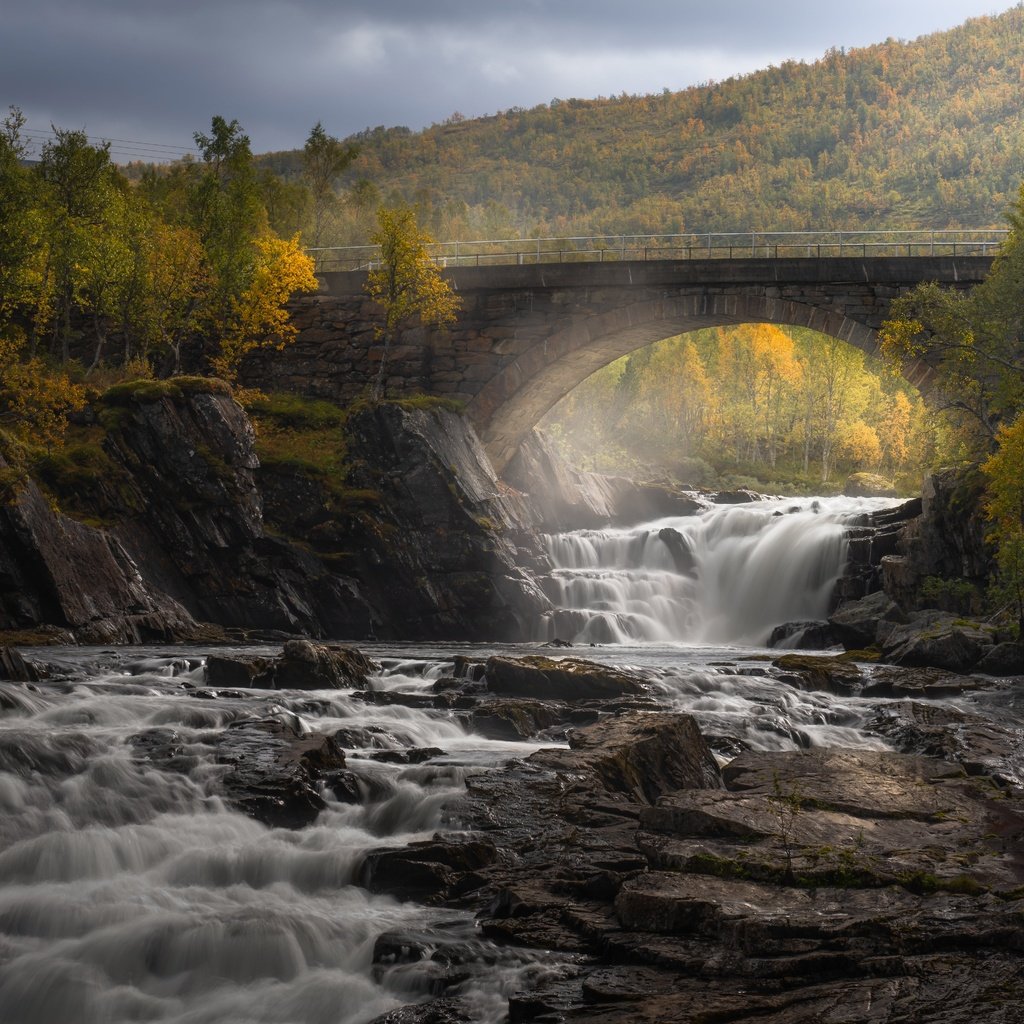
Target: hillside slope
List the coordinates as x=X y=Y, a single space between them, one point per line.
x=927 y=133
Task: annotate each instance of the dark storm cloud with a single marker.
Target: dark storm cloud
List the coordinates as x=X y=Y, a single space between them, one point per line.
x=157 y=71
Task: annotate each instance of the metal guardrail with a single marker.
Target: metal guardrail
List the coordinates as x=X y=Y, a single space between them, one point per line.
x=712 y=245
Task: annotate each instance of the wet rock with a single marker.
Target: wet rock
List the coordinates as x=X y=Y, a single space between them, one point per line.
x=427 y=869
x=679 y=547
x=515 y=719
x=828 y=674
x=740 y=496
x=307 y=666
x=815 y=636
x=301 y=666
x=979 y=745
x=865 y=622
x=275 y=769
x=233 y=670
x=569 y=679
x=437 y=1011
x=411 y=755
x=937 y=639
x=640 y=755
x=15 y=667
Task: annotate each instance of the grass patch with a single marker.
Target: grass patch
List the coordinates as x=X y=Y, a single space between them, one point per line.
x=428 y=403
x=301 y=435
x=149 y=390
x=289 y=411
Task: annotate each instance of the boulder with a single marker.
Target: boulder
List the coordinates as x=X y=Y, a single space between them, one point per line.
x=1005 y=659
x=569 y=679
x=938 y=640
x=638 y=754
x=15 y=667
x=307 y=666
x=275 y=770
x=679 y=547
x=302 y=665
x=863 y=623
x=828 y=674
x=803 y=636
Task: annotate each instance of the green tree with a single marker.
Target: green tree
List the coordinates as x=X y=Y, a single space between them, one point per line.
x=406 y=282
x=78 y=184
x=22 y=247
x=226 y=211
x=324 y=160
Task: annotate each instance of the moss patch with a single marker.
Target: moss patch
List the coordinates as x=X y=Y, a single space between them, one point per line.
x=137 y=391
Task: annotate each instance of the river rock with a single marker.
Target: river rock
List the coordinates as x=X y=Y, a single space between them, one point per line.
x=571 y=679
x=14 y=666
x=517 y=719
x=681 y=550
x=814 y=636
x=275 y=770
x=427 y=869
x=640 y=755
x=865 y=622
x=937 y=639
x=828 y=674
x=302 y=665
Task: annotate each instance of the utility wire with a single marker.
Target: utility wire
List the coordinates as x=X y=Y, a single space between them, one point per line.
x=158 y=152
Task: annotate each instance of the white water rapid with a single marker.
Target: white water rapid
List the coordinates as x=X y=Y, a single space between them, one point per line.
x=727 y=576
x=131 y=892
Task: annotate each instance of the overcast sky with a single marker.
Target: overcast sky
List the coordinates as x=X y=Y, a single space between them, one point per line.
x=149 y=73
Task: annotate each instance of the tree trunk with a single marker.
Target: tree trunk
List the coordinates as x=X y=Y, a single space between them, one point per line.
x=379 y=387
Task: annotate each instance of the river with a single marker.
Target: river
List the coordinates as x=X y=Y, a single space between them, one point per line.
x=131 y=891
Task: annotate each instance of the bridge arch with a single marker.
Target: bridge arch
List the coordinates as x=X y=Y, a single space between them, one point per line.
x=512 y=402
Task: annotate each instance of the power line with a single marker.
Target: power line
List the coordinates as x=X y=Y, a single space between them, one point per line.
x=130 y=148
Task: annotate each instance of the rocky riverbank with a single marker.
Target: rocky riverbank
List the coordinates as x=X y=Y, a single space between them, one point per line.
x=667 y=873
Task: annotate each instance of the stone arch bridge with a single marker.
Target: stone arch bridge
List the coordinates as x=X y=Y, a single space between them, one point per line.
x=528 y=334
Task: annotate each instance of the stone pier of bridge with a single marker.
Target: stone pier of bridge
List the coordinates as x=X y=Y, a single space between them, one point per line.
x=527 y=335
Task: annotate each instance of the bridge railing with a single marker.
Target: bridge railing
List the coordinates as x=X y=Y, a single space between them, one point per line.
x=710 y=245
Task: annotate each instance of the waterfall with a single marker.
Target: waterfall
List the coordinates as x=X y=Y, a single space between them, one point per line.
x=729 y=575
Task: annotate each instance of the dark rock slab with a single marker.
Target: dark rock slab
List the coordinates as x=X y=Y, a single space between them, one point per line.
x=640 y=755
x=571 y=679
x=825 y=673
x=302 y=665
x=275 y=770
x=815 y=635
x=865 y=622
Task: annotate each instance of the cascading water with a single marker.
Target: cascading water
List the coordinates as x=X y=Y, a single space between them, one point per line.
x=129 y=892
x=727 y=576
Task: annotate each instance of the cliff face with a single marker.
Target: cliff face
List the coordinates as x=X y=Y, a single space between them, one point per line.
x=430 y=549
x=946 y=542
x=435 y=540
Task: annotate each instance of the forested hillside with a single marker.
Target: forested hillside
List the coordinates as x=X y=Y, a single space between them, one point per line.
x=928 y=133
